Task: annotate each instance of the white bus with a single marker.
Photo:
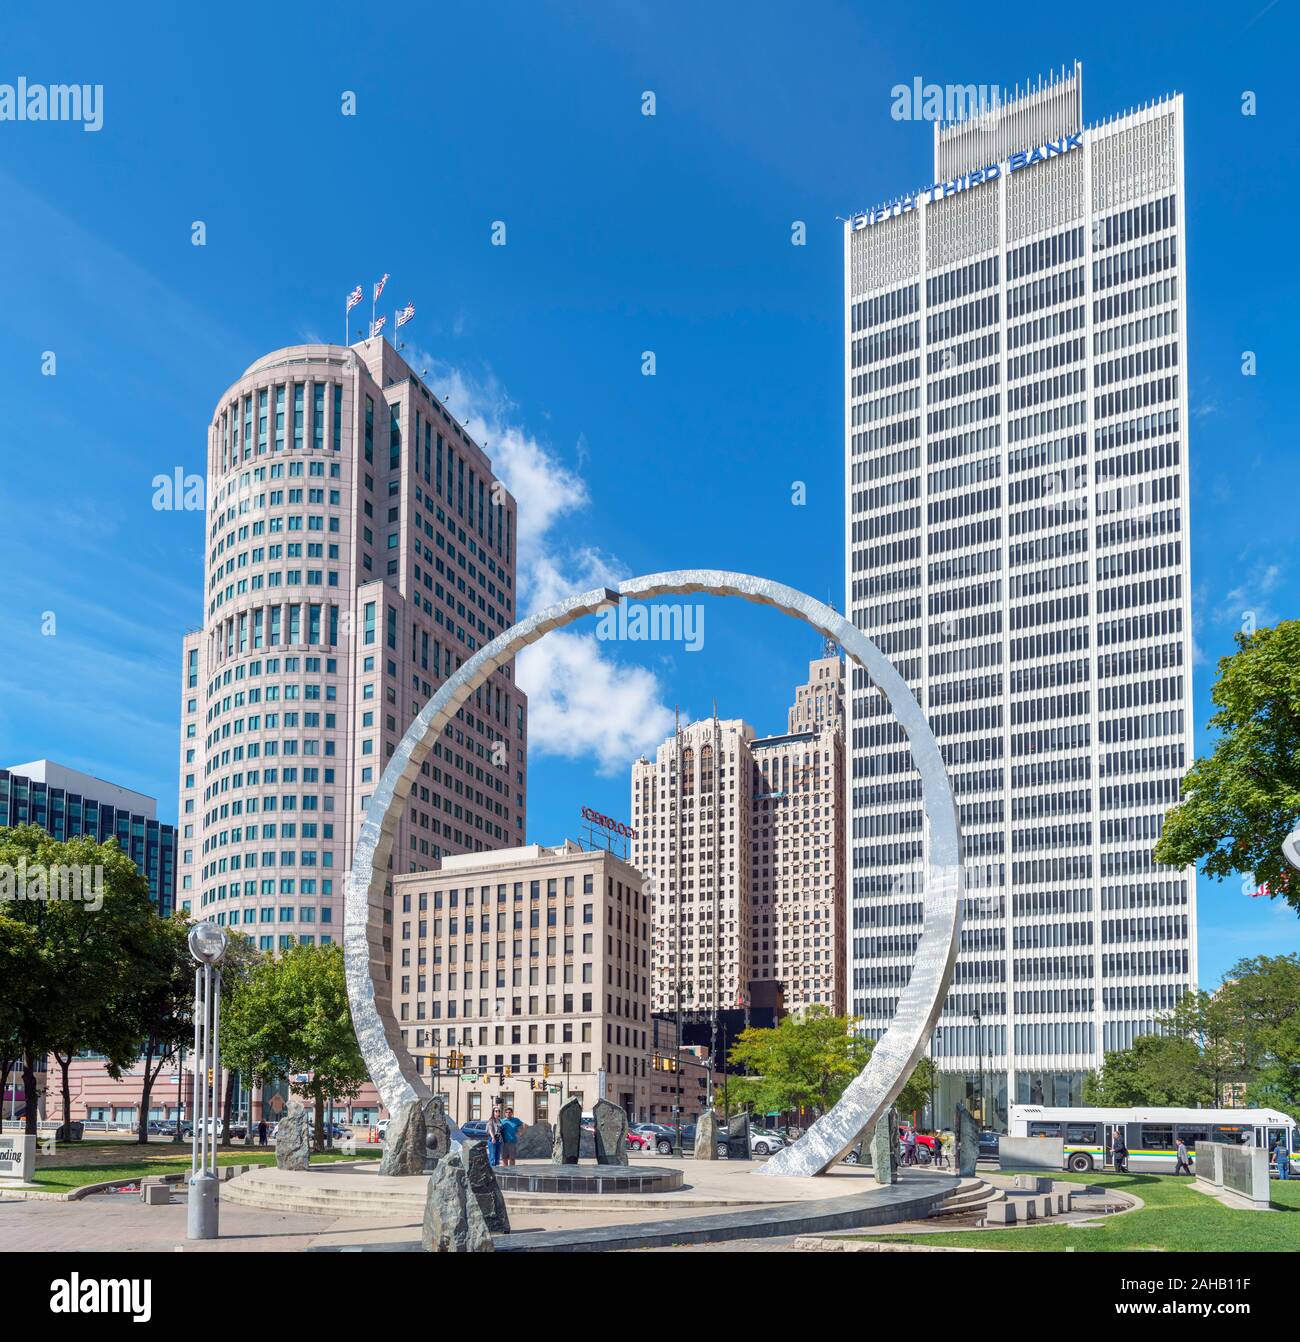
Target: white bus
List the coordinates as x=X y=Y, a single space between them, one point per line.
x=1151 y=1135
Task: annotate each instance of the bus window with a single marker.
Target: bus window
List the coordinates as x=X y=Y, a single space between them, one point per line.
x=1192 y=1135
x=1082 y=1134
x=1044 y=1129
x=1228 y=1133
x=1158 y=1136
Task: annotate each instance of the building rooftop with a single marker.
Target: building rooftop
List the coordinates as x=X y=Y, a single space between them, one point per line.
x=87 y=785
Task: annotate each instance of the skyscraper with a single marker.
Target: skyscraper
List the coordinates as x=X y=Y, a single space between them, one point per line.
x=758 y=851
x=359 y=550
x=1016 y=484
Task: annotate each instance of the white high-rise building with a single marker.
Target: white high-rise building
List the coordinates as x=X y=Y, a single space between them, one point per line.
x=1017 y=542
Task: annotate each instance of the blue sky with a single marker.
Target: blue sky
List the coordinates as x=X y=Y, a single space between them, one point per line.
x=624 y=233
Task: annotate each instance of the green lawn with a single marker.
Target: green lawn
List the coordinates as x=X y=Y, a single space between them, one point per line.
x=1175 y=1217
x=76 y=1164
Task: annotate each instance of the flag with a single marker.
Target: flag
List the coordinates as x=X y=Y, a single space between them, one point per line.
x=377 y=326
x=405 y=315
x=379 y=288
x=354 y=298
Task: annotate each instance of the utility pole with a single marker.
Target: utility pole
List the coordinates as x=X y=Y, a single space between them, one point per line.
x=677 y=906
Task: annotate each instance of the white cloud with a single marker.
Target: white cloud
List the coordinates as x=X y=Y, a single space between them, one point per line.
x=581 y=701
x=1249 y=597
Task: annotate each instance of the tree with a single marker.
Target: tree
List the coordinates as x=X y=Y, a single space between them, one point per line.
x=804 y=1062
x=917 y=1092
x=1157 y=1070
x=1210 y=1023
x=1241 y=802
x=236 y=965
x=291 y=1017
x=159 y=1012
x=80 y=947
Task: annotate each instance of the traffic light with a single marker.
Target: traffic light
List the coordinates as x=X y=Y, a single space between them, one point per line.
x=546 y=1069
x=507 y=1071
x=211 y=1076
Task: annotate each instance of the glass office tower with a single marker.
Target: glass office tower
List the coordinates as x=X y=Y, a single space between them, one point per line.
x=1017 y=542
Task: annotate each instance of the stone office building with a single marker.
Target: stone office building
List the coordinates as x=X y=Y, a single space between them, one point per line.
x=522 y=977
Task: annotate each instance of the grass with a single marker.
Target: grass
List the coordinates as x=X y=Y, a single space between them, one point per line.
x=1174 y=1217
x=76 y=1164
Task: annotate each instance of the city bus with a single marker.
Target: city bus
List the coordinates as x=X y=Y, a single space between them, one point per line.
x=1150 y=1134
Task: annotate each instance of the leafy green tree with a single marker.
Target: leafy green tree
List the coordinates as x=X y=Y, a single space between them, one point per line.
x=915 y=1095
x=803 y=1063
x=159 y=1009
x=1157 y=1070
x=1209 y=1022
x=236 y=965
x=291 y=1017
x=1243 y=800
x=80 y=954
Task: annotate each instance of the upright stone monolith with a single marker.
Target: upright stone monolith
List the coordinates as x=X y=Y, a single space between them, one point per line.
x=568 y=1132
x=536 y=1142
x=968 y=1141
x=885 y=1148
x=437 y=1133
x=706 y=1136
x=453 y=1220
x=738 y=1137
x=484 y=1188
x=404 y=1141
x=293 y=1138
x=611 y=1133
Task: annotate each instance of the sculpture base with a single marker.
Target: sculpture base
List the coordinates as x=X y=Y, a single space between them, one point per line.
x=594 y=1179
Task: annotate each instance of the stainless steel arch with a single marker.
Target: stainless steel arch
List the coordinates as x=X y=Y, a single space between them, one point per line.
x=871 y=1093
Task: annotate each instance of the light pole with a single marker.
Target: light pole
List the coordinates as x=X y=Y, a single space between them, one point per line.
x=979 y=1048
x=207 y=944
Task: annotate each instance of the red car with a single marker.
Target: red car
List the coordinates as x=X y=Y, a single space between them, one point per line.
x=637 y=1141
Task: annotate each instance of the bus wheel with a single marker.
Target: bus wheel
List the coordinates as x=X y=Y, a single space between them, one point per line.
x=1080 y=1162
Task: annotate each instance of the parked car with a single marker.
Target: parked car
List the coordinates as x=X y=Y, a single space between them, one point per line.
x=638 y=1141
x=988 y=1145
x=652 y=1129
x=764 y=1143
x=475 y=1129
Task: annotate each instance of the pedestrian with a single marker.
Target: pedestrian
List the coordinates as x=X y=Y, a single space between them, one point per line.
x=1182 y=1163
x=909 y=1147
x=510 y=1126
x=1283 y=1158
x=1119 y=1151
x=494 y=1138
x=261 y=1133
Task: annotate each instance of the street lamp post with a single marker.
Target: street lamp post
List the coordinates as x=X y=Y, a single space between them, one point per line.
x=979 y=1048
x=207 y=944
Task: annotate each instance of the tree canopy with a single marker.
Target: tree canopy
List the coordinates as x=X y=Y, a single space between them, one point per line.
x=1240 y=802
x=802 y=1063
x=290 y=1017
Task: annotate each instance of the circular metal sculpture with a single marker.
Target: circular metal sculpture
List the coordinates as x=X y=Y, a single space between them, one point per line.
x=870 y=1094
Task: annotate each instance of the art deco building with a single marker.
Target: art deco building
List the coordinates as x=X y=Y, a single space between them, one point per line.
x=522 y=977
x=1016 y=472
x=759 y=847
x=359 y=549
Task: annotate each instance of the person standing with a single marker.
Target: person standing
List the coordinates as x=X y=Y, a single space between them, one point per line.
x=510 y=1126
x=261 y=1133
x=909 y=1147
x=1118 y=1151
x=1182 y=1163
x=494 y=1138
x=1283 y=1158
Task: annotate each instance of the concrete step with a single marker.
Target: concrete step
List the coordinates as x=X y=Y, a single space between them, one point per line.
x=971 y=1195
x=270 y=1195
